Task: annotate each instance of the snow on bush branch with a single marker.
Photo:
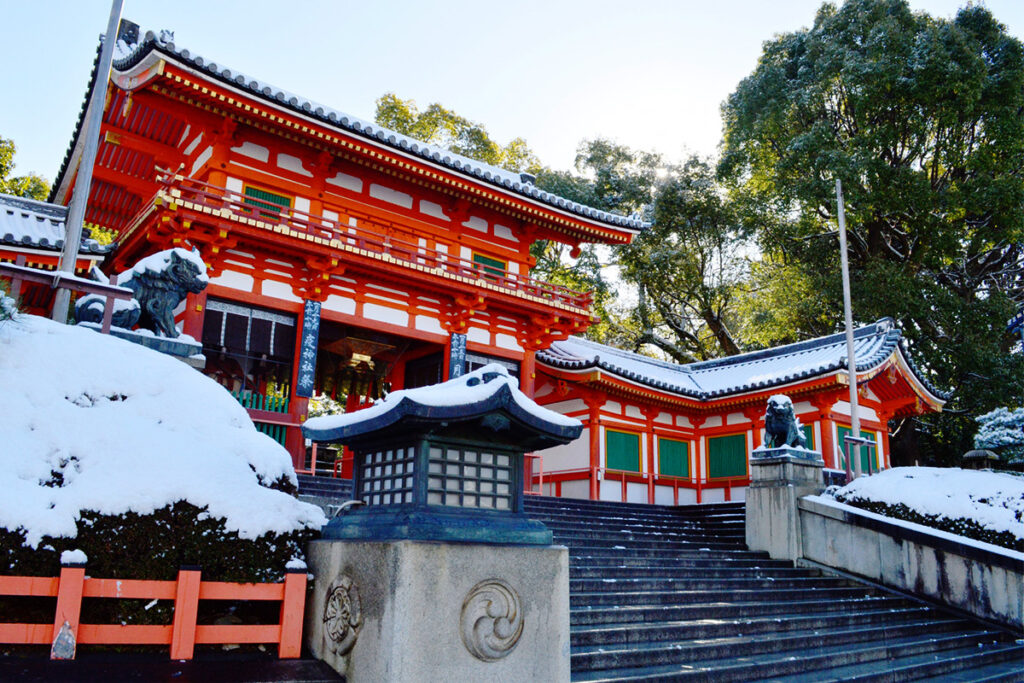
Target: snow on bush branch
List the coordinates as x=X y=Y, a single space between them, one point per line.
x=985 y=506
x=1002 y=430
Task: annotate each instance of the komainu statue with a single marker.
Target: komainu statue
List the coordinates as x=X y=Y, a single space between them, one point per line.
x=160 y=283
x=781 y=426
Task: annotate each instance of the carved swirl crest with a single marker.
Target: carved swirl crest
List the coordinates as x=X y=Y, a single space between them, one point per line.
x=492 y=620
x=343 y=615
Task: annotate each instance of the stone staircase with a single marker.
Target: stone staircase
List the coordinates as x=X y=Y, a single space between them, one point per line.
x=672 y=594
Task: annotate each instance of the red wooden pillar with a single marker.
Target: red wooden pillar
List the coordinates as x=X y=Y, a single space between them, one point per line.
x=594 y=403
x=528 y=373
x=186 y=610
x=828 y=450
x=292 y=606
x=756 y=417
x=69 y=606
x=650 y=414
x=698 y=461
x=192 y=323
x=885 y=461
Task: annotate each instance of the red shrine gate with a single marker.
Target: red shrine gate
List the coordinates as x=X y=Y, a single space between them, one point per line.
x=343 y=258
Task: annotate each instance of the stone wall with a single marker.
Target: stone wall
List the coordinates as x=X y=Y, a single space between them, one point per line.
x=978 y=578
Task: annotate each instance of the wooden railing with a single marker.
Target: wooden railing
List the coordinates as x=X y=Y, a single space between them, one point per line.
x=556 y=478
x=268 y=412
x=182 y=635
x=372 y=233
x=18 y=273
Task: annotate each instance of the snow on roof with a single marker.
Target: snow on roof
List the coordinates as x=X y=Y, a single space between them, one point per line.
x=474 y=394
x=873 y=345
x=38 y=225
x=129 y=429
x=129 y=56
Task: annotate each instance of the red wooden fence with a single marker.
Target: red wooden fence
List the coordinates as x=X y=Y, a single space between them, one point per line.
x=182 y=635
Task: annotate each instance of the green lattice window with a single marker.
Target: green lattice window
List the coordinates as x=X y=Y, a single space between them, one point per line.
x=673 y=457
x=272 y=203
x=622 y=451
x=868 y=456
x=727 y=456
x=809 y=436
x=492 y=267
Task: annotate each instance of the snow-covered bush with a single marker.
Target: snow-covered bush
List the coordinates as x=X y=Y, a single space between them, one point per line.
x=985 y=506
x=139 y=461
x=1002 y=431
x=8 y=307
x=322 y=404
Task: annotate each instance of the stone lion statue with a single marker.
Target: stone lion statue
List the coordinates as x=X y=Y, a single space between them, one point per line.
x=781 y=426
x=160 y=283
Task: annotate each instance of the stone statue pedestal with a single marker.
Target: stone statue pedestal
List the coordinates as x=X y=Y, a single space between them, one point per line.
x=408 y=610
x=778 y=478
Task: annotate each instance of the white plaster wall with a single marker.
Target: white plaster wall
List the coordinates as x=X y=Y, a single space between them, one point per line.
x=385 y=314
x=634 y=412
x=663 y=496
x=234 y=280
x=476 y=223
x=613 y=407
x=293 y=164
x=478 y=335
x=234 y=185
x=507 y=341
x=340 y=304
x=192 y=145
x=279 y=290
x=712 y=495
x=575 y=489
x=390 y=195
x=203 y=157
x=428 y=323
x=349 y=182
x=432 y=209
x=253 y=151
x=713 y=421
x=570 y=456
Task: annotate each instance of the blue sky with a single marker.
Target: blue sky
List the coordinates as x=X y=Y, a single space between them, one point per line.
x=646 y=73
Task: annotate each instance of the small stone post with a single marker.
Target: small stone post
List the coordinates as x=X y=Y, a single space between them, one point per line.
x=779 y=477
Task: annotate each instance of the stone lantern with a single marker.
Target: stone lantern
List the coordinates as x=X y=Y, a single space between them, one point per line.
x=437 y=530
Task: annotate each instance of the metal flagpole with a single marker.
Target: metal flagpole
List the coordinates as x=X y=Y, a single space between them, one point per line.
x=851 y=360
x=76 y=212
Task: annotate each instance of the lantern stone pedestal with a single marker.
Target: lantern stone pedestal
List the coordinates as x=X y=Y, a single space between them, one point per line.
x=440 y=611
x=436 y=573
x=778 y=478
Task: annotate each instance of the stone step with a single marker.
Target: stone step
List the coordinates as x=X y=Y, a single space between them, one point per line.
x=669 y=560
x=703 y=573
x=700 y=584
x=581 y=600
x=626 y=634
x=987 y=661
x=659 y=553
x=723 y=541
x=806 y=664
x=737 y=653
x=619 y=614
x=631 y=543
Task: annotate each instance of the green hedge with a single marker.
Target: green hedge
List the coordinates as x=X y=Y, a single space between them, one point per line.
x=151 y=546
x=960 y=526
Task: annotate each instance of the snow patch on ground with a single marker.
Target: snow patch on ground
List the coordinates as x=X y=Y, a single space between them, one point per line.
x=994 y=500
x=92 y=422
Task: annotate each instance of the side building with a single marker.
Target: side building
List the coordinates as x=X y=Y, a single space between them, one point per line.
x=345 y=259
x=660 y=432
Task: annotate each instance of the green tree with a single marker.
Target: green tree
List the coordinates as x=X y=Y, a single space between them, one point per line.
x=613 y=178
x=32 y=185
x=439 y=126
x=688 y=266
x=923 y=120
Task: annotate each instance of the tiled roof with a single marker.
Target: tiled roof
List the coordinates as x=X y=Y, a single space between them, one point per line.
x=38 y=225
x=706 y=380
x=521 y=184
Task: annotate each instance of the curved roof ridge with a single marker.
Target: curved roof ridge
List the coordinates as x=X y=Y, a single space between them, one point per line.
x=876 y=342
x=517 y=182
x=796 y=347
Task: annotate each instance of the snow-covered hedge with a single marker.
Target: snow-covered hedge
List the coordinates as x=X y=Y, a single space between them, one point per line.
x=1002 y=431
x=985 y=506
x=136 y=459
x=8 y=306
